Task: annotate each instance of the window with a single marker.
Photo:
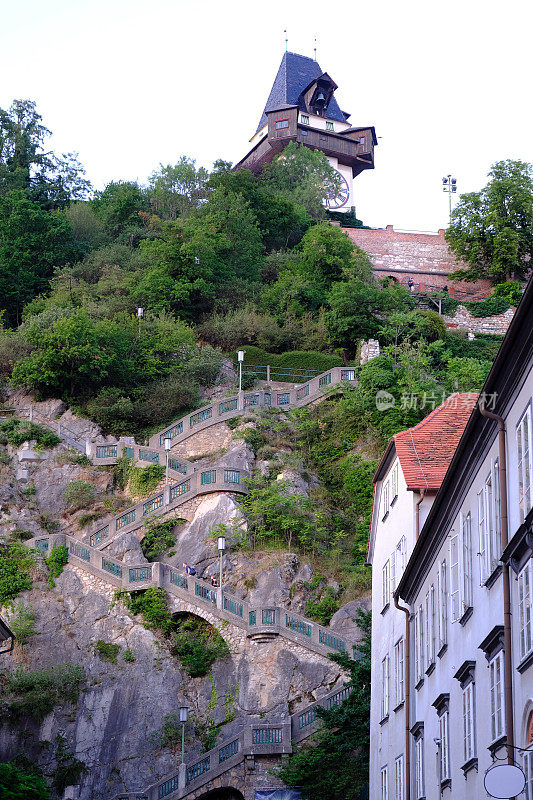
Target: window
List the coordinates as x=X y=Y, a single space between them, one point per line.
x=430 y=627
x=303 y=132
x=524 y=606
x=393 y=583
x=398 y=778
x=525 y=471
x=384 y=784
x=399 y=673
x=401 y=553
x=394 y=483
x=496 y=696
x=489 y=521
x=469 y=744
x=304 y=119
x=455 y=595
x=385 y=680
x=419 y=644
x=281 y=123
x=467 y=561
x=385 y=584
x=419 y=768
x=443 y=606
x=329 y=126
x=444 y=751
x=386 y=494
x=362 y=140
x=528 y=772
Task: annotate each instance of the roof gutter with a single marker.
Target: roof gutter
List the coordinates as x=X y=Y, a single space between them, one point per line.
x=507 y=662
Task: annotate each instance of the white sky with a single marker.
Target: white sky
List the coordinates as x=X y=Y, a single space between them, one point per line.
x=130 y=84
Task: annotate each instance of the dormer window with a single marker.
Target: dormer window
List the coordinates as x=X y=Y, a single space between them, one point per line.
x=282 y=123
x=304 y=119
x=329 y=126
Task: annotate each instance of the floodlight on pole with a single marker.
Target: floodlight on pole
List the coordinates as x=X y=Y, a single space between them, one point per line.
x=183 y=719
x=449 y=185
x=168 y=444
x=240 y=358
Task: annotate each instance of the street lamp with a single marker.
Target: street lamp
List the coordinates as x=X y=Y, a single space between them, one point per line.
x=240 y=357
x=183 y=720
x=168 y=443
x=140 y=315
x=449 y=185
x=221 y=548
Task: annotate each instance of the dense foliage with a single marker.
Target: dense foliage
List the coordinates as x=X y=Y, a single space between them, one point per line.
x=18 y=785
x=16 y=564
x=492 y=230
x=18 y=431
x=334 y=764
x=34 y=693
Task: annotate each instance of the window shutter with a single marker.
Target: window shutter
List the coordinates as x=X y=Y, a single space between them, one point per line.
x=454 y=579
x=482 y=537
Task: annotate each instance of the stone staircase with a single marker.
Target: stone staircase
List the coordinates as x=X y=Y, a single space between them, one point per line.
x=185 y=481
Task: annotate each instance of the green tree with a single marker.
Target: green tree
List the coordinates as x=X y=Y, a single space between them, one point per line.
x=302 y=176
x=118 y=206
x=33 y=242
x=16 y=785
x=492 y=230
x=176 y=189
x=334 y=765
x=26 y=166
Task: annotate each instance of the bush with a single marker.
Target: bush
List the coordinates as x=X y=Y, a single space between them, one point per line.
x=143 y=480
x=16 y=564
x=73 y=457
x=19 y=431
x=197 y=645
x=18 y=785
x=510 y=291
x=293 y=366
x=107 y=651
x=35 y=693
x=22 y=623
x=129 y=655
x=489 y=307
x=170 y=733
x=68 y=769
x=159 y=537
x=55 y=563
x=78 y=494
x=322 y=610
x=152 y=605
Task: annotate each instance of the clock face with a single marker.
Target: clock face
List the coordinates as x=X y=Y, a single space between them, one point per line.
x=338 y=199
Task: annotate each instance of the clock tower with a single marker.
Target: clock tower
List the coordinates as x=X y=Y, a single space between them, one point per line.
x=302 y=107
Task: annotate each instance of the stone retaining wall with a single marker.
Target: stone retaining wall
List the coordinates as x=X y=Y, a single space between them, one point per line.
x=464 y=319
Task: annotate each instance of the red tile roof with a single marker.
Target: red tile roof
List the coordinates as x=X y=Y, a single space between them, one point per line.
x=426 y=450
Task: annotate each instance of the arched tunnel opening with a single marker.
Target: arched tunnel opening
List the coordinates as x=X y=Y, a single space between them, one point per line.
x=227 y=793
x=196 y=643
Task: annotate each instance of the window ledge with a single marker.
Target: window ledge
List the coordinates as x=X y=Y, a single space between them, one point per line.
x=526 y=662
x=385 y=608
x=384 y=720
x=466 y=616
x=469 y=765
x=419 y=684
x=446 y=784
x=394 y=499
x=431 y=668
x=497 y=744
x=442 y=650
x=385 y=517
x=493 y=577
x=399 y=706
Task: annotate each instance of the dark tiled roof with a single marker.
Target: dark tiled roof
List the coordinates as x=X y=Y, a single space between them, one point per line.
x=294 y=75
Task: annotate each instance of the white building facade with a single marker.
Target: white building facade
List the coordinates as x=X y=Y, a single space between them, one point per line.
x=467 y=590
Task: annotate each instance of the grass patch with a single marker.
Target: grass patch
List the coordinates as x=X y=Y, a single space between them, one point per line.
x=73 y=457
x=56 y=562
x=143 y=480
x=78 y=494
x=16 y=564
x=107 y=651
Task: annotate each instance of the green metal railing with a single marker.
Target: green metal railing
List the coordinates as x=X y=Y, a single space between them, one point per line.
x=210 y=476
x=205 y=593
x=179 y=580
x=306 y=718
x=140 y=574
x=228 y=751
x=125 y=519
x=99 y=536
x=198 y=769
x=80 y=551
x=233 y=606
x=177 y=466
x=153 y=504
x=200 y=416
x=149 y=455
x=338 y=698
x=268 y=616
x=325 y=380
x=106 y=451
x=297 y=625
x=252 y=617
x=171 y=433
x=41 y=545
x=181 y=488
x=129 y=452
x=331 y=641
x=232 y=476
x=267 y=735
x=168 y=787
x=110 y=566
x=227 y=405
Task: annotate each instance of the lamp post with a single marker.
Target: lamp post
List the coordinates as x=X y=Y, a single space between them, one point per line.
x=221 y=548
x=140 y=315
x=183 y=720
x=449 y=185
x=168 y=442
x=240 y=357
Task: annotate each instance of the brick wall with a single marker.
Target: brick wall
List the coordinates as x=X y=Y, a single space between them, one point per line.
x=423 y=257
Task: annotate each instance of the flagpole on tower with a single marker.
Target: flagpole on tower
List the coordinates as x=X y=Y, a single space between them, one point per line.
x=286 y=39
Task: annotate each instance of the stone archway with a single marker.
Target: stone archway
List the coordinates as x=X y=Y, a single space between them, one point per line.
x=225 y=793
x=234 y=636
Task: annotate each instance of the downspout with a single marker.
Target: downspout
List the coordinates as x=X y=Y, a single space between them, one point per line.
x=508 y=667
x=417 y=515
x=407 y=705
